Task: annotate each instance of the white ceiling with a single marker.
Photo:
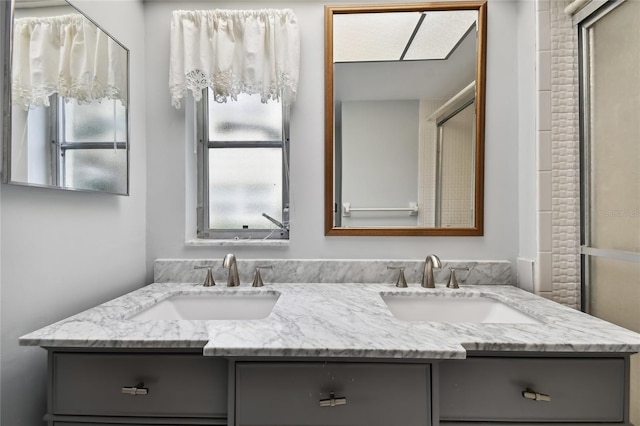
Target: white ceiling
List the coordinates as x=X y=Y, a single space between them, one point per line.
x=432 y=79
x=359 y=37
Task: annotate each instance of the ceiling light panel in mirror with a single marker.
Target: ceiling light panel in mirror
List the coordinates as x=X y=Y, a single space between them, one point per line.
x=68 y=98
x=404 y=111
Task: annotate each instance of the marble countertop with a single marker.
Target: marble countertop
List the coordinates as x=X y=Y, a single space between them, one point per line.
x=335 y=320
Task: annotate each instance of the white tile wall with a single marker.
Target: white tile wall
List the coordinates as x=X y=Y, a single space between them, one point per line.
x=565 y=157
x=544 y=193
x=542 y=5
x=544 y=69
x=544 y=150
x=544 y=236
x=557 y=275
x=544 y=35
x=526 y=272
x=545 y=268
x=544 y=109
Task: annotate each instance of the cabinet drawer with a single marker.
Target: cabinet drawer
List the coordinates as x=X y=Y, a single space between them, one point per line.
x=187 y=385
x=491 y=389
x=286 y=394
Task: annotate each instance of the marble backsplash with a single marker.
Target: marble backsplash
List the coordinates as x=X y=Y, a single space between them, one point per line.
x=332 y=271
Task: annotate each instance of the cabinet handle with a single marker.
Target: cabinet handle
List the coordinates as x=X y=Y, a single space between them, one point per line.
x=333 y=401
x=139 y=389
x=535 y=396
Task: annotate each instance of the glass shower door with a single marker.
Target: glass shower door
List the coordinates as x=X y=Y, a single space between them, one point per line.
x=610 y=92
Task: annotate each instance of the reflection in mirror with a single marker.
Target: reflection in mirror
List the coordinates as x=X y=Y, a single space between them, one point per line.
x=404 y=119
x=68 y=98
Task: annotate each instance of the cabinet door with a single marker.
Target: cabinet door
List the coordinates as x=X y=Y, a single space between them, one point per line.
x=177 y=385
x=283 y=394
x=491 y=389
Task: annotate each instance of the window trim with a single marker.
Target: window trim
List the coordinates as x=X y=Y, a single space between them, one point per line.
x=203 y=230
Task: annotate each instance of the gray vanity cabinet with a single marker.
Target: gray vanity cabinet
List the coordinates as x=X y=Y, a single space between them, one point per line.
x=182 y=387
x=332 y=393
x=138 y=387
x=568 y=390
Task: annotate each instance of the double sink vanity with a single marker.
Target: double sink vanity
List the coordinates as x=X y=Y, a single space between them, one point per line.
x=334 y=343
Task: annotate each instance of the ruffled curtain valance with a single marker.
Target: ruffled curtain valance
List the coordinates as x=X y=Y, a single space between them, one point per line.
x=233 y=52
x=67 y=55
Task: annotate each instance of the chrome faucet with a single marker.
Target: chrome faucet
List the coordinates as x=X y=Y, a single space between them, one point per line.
x=230 y=262
x=208 y=282
x=453 y=281
x=432 y=261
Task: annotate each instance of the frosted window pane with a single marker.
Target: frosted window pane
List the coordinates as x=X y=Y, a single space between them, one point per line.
x=615 y=134
x=243 y=184
x=121 y=122
x=95 y=122
x=246 y=119
x=96 y=169
x=615 y=291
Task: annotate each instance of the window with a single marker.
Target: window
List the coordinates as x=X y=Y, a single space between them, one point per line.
x=243 y=187
x=92 y=145
x=71 y=145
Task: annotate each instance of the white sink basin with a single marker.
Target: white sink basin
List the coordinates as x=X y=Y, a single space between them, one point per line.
x=434 y=308
x=224 y=306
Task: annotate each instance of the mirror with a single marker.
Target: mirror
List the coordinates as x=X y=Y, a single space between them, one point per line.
x=404 y=119
x=67 y=93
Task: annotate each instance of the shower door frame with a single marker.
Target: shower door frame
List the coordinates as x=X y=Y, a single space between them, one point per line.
x=585 y=19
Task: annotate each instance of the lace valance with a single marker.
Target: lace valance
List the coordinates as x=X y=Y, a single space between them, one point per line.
x=233 y=52
x=67 y=55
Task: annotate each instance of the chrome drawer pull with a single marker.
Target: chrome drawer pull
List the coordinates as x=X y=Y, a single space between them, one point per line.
x=139 y=389
x=333 y=401
x=535 y=396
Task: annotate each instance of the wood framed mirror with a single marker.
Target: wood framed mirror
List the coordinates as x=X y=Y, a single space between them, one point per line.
x=404 y=119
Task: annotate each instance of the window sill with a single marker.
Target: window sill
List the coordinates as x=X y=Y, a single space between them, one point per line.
x=199 y=242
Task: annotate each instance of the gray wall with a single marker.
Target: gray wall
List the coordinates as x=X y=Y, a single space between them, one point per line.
x=166 y=154
x=63 y=252
x=380 y=160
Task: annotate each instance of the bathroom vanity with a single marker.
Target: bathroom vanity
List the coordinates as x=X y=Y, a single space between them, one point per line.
x=334 y=354
x=183 y=387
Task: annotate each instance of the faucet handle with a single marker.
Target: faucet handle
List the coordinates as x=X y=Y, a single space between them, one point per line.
x=453 y=282
x=401 y=282
x=208 y=281
x=257 y=278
